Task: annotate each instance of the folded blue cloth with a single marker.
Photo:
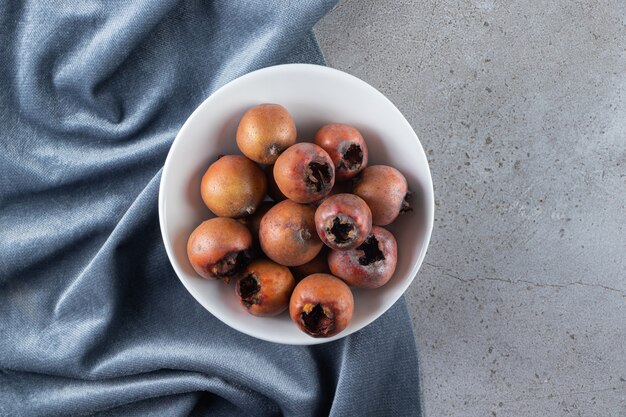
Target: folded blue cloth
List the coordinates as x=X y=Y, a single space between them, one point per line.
x=93 y=319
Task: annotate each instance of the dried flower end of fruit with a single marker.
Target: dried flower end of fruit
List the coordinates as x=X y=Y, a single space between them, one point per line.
x=318 y=177
x=405 y=207
x=248 y=290
x=340 y=230
x=371 y=251
x=317 y=320
x=351 y=158
x=230 y=265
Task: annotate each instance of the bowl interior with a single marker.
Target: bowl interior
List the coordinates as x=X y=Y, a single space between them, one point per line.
x=314 y=95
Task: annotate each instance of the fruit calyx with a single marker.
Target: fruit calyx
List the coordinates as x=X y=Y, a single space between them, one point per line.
x=352 y=157
x=371 y=251
x=341 y=230
x=406 y=205
x=317 y=319
x=317 y=176
x=230 y=265
x=249 y=289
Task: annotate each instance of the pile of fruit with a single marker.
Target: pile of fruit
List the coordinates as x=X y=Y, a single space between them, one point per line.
x=322 y=228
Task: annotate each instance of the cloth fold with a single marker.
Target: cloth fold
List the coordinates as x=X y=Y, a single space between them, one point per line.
x=93 y=320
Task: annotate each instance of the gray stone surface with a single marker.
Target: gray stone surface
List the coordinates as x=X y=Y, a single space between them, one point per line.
x=520 y=307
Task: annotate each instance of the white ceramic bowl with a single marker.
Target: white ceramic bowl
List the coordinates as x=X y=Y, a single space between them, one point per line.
x=314 y=95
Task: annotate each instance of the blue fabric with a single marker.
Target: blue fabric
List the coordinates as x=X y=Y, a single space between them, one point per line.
x=93 y=319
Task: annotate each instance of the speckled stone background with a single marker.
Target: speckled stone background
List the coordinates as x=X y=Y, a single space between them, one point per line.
x=520 y=306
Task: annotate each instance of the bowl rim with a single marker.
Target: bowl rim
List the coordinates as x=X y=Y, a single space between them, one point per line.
x=224 y=89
